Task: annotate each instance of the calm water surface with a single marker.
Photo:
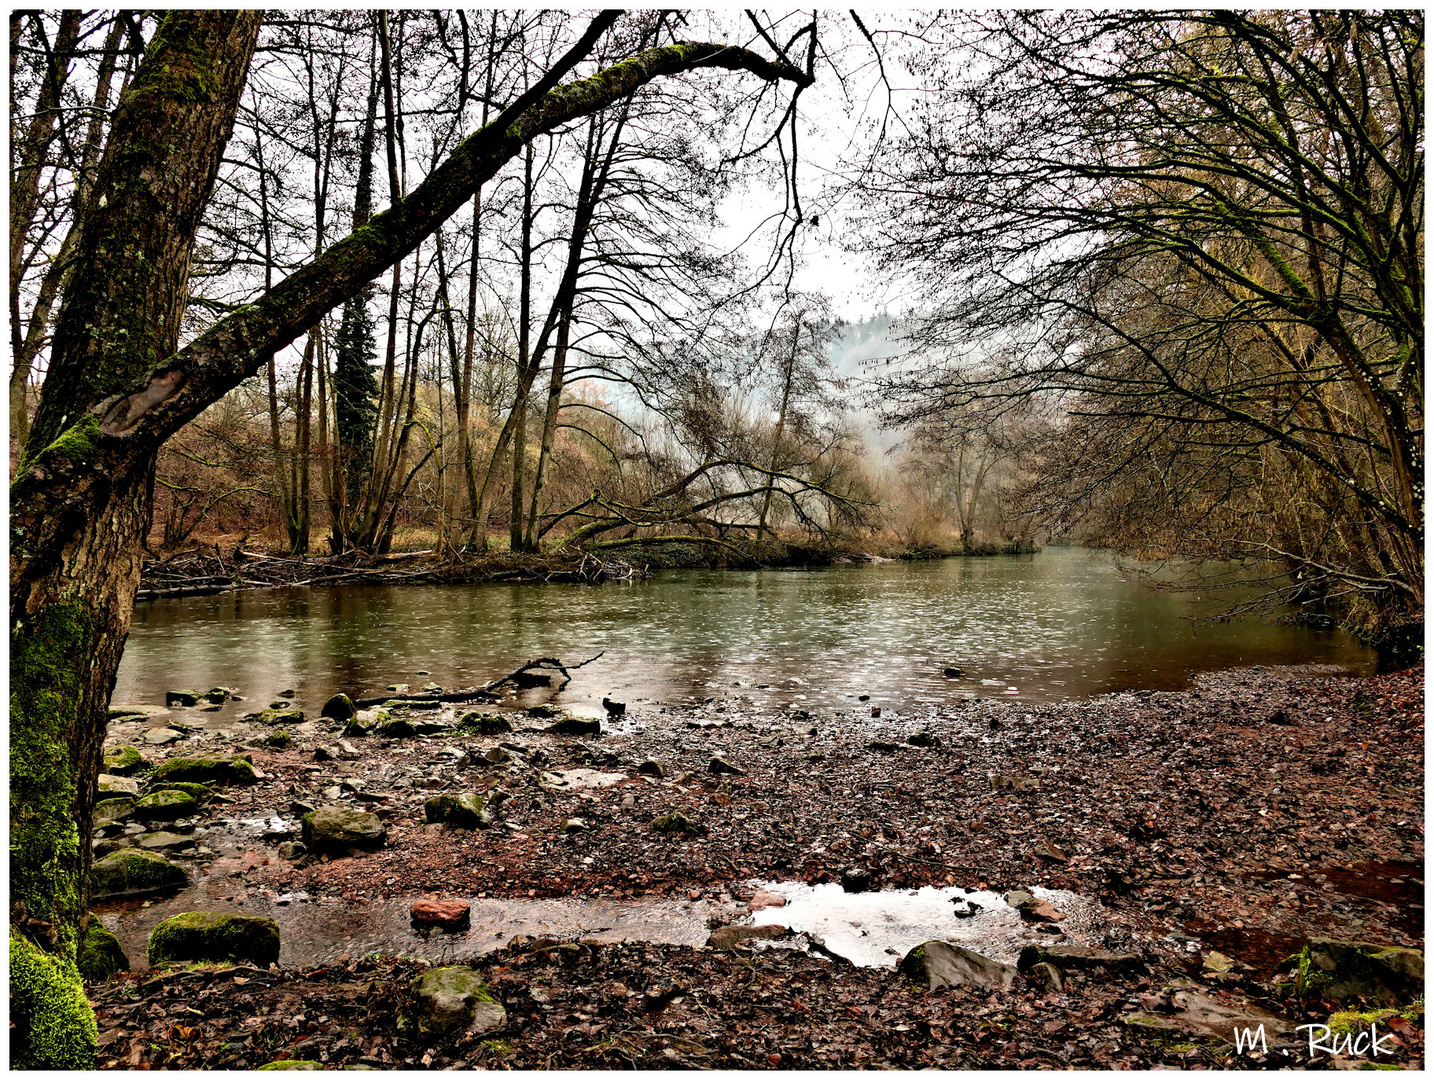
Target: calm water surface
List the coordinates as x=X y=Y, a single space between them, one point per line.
x=1059 y=624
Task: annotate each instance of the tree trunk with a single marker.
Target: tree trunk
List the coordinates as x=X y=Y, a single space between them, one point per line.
x=75 y=558
x=117 y=389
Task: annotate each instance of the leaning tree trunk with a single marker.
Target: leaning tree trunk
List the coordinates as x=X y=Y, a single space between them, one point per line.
x=75 y=560
x=117 y=390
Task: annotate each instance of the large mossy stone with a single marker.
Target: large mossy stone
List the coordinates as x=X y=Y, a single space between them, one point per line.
x=238 y=769
x=101 y=954
x=123 y=761
x=336 y=829
x=117 y=809
x=302 y=1066
x=339 y=707
x=277 y=716
x=448 y=998
x=1076 y=958
x=1366 y=970
x=165 y=806
x=464 y=810
x=484 y=724
x=395 y=729
x=215 y=936
x=132 y=872
x=197 y=792
x=183 y=698
x=939 y=963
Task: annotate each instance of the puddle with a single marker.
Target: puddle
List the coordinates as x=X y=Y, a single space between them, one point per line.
x=876 y=929
x=317 y=932
x=1263 y=951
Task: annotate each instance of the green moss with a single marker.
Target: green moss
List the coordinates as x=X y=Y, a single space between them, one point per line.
x=165 y=805
x=77 y=443
x=133 y=872
x=225 y=770
x=497 y=1047
x=54 y=1026
x=278 y=740
x=101 y=954
x=209 y=935
x=464 y=810
x=124 y=761
x=673 y=825
x=197 y=792
x=476 y=723
x=307 y=1066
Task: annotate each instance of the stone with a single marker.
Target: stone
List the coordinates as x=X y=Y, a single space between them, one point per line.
x=447 y=999
x=123 y=761
x=1201 y=1014
x=575 y=825
x=953 y=672
x=162 y=736
x=574 y=725
x=165 y=805
x=883 y=745
x=939 y=963
x=113 y=809
x=963 y=908
x=431 y=688
x=399 y=688
x=1077 y=958
x=1050 y=975
x=721 y=767
x=336 y=829
x=1217 y=963
x=925 y=740
x=464 y=810
x=673 y=825
x=292 y=849
x=215 y=936
x=444 y=914
x=276 y=716
x=197 y=792
x=116 y=785
x=497 y=756
x=302 y=1066
x=238 y=769
x=277 y=740
x=764 y=899
x=1363 y=969
x=544 y=712
x=183 y=698
x=339 y=707
x=484 y=724
x=1032 y=909
x=134 y=873
x=856 y=879
x=726 y=937
x=1044 y=849
x=396 y=729
x=651 y=768
x=100 y=953
x=165 y=841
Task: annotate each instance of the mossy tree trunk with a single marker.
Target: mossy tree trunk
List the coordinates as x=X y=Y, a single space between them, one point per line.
x=75 y=556
x=117 y=389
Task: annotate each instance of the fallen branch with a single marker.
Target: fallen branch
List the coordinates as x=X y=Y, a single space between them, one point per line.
x=485 y=692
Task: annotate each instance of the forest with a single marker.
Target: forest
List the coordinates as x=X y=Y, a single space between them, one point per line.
x=459 y=295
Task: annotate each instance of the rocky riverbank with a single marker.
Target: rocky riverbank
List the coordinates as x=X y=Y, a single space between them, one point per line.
x=1164 y=853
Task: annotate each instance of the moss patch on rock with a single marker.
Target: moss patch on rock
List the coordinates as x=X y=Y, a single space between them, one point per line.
x=101 y=954
x=124 y=761
x=132 y=872
x=464 y=810
x=238 y=769
x=448 y=998
x=210 y=935
x=339 y=707
x=476 y=723
x=166 y=805
x=336 y=829
x=54 y=1026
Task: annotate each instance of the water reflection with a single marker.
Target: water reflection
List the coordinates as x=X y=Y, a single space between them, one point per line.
x=1063 y=623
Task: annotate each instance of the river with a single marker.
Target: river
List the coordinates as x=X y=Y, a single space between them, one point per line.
x=1063 y=623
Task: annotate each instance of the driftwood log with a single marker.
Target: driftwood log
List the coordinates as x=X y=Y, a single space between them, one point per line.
x=488 y=692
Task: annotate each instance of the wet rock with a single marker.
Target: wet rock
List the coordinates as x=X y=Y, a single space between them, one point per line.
x=277 y=740
x=396 y=729
x=431 y=688
x=292 y=849
x=449 y=998
x=575 y=825
x=883 y=746
x=197 y=792
x=531 y=680
x=132 y=873
x=339 y=707
x=939 y=963
x=275 y=716
x=1031 y=909
x=651 y=768
x=484 y=724
x=1361 y=969
x=925 y=740
x=614 y=708
x=167 y=805
x=1050 y=975
x=100 y=953
x=497 y=756
x=183 y=698
x=856 y=879
x=1216 y=963
x=214 y=936
x=116 y=785
x=165 y=841
x=399 y=688
x=962 y=908
x=113 y=809
x=1044 y=849
x=465 y=810
x=544 y=712
x=673 y=825
x=111 y=845
x=764 y=899
x=162 y=736
x=123 y=761
x=953 y=672
x=1077 y=958
x=574 y=725
x=726 y=937
x=722 y=767
x=238 y=769
x=336 y=829
x=444 y=914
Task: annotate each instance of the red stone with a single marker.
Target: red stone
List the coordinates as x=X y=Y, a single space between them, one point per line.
x=448 y=914
x=764 y=899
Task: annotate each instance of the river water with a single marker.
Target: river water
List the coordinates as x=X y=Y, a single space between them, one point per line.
x=1063 y=623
